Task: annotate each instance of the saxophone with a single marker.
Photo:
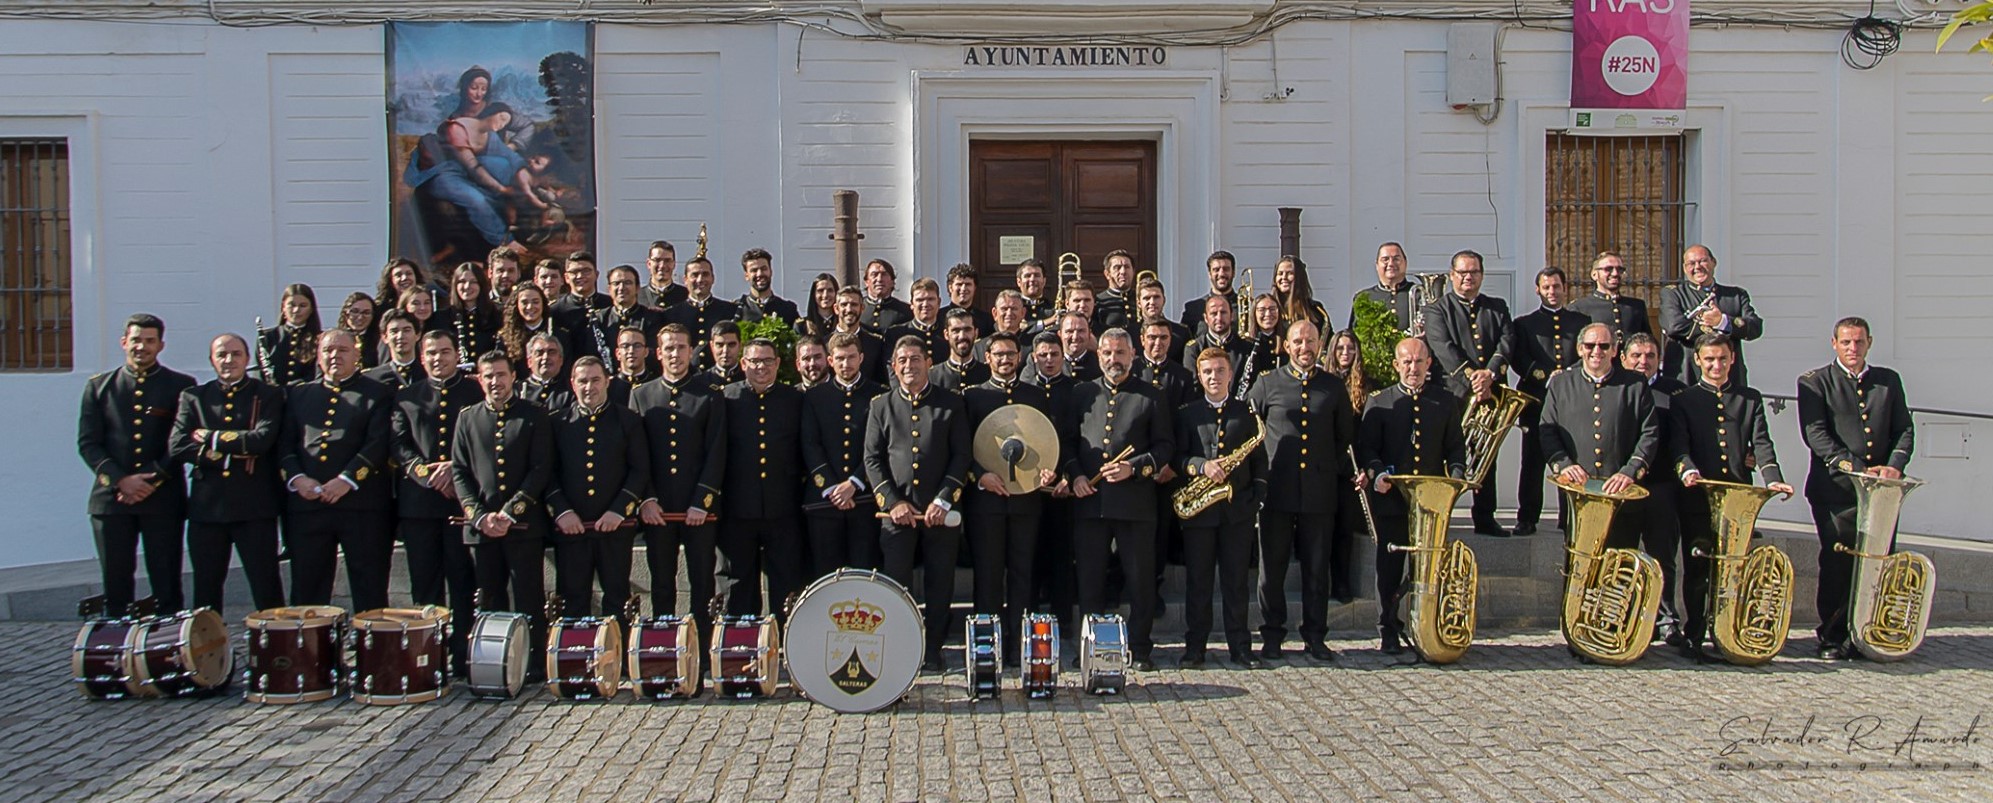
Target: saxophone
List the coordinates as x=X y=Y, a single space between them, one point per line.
x=1200 y=493
x=1439 y=601
x=1610 y=595
x=1889 y=602
x=1750 y=590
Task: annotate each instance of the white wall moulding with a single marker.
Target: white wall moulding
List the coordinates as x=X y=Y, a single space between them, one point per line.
x=1064 y=17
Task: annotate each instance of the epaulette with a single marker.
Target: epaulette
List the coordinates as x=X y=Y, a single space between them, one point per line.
x=1380 y=391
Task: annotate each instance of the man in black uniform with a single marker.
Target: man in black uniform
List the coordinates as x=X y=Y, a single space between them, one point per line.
x=1472 y=339
x=227 y=431
x=501 y=460
x=1392 y=289
x=1720 y=434
x=1410 y=428
x=1054 y=569
x=1038 y=306
x=440 y=570
x=1219 y=539
x=700 y=310
x=883 y=311
x=1855 y=419
x=812 y=362
x=1009 y=321
x=576 y=310
x=401 y=366
x=962 y=296
x=843 y=531
x=334 y=452
x=685 y=427
x=850 y=307
x=1151 y=303
x=624 y=312
x=764 y=478
x=1658 y=516
x=1697 y=306
x=542 y=386
x=1309 y=424
x=960 y=369
x=916 y=456
x=1598 y=421
x=602 y=470
x=138 y=493
x=1546 y=342
x=757 y=267
x=1003 y=528
x=633 y=354
x=1220 y=333
x=1118 y=436
x=1221 y=267
x=1114 y=306
x=1077 y=340
x=926 y=321
x=1626 y=315
x=1077 y=298
x=1175 y=382
x=662 y=292
x=723 y=353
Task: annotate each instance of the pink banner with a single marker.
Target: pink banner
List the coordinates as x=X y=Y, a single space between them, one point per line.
x=1629 y=64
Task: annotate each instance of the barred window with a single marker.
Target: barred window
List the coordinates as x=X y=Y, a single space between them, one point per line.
x=1619 y=194
x=35 y=309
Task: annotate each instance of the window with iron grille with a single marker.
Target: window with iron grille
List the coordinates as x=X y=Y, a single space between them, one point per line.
x=35 y=310
x=1619 y=194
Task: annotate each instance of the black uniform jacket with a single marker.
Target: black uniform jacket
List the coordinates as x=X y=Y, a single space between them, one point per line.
x=425 y=419
x=1468 y=336
x=1410 y=434
x=235 y=468
x=1102 y=420
x=125 y=428
x=917 y=448
x=1605 y=427
x=1309 y=424
x=1204 y=434
x=1851 y=423
x=1722 y=434
x=502 y=461
x=601 y=462
x=764 y=474
x=834 y=421
x=685 y=425
x=341 y=431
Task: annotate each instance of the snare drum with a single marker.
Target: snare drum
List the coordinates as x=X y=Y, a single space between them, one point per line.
x=101 y=659
x=499 y=645
x=1038 y=655
x=1104 y=655
x=585 y=658
x=400 y=655
x=746 y=653
x=855 y=641
x=293 y=654
x=182 y=654
x=985 y=637
x=664 y=658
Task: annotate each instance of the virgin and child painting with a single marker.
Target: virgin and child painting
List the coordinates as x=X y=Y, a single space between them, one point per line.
x=491 y=139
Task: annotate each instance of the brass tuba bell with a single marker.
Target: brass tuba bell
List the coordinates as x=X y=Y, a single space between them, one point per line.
x=1750 y=590
x=1439 y=600
x=1610 y=595
x=1889 y=602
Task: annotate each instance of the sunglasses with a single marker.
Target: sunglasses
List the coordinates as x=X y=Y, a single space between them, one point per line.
x=1594 y=346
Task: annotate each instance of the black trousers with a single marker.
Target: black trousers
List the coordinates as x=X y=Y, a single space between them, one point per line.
x=1225 y=550
x=841 y=538
x=255 y=540
x=581 y=560
x=1529 y=476
x=1004 y=548
x=661 y=547
x=1303 y=537
x=1835 y=524
x=937 y=549
x=750 y=548
x=511 y=576
x=1135 y=542
x=1485 y=498
x=1658 y=521
x=118 y=536
x=1696 y=531
x=1391 y=570
x=1056 y=580
x=1342 y=542
x=318 y=537
x=442 y=572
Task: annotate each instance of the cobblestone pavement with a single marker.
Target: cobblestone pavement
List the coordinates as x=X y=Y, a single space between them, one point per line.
x=1517 y=718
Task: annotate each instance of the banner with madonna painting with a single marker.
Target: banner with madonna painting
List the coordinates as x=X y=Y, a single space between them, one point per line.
x=491 y=140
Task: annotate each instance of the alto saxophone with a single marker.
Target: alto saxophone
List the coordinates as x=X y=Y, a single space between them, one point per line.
x=1610 y=595
x=1750 y=590
x=1439 y=600
x=1201 y=492
x=1889 y=602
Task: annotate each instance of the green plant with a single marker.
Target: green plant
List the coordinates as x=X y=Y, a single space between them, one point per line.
x=778 y=332
x=1376 y=326
x=1976 y=14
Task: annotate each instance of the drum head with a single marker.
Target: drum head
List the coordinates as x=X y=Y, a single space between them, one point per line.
x=294 y=618
x=204 y=648
x=422 y=618
x=855 y=641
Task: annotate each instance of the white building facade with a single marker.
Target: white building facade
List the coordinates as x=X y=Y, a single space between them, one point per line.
x=209 y=164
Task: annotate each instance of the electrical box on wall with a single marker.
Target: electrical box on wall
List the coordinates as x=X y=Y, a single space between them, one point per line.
x=1470 y=64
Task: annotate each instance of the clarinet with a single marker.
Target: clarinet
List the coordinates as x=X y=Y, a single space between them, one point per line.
x=465 y=359
x=1246 y=376
x=263 y=356
x=601 y=348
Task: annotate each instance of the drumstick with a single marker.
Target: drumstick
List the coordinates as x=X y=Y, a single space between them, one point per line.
x=1103 y=467
x=953 y=518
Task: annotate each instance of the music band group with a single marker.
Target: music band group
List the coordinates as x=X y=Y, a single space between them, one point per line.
x=494 y=415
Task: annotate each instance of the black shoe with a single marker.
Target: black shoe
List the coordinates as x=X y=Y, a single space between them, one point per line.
x=1393 y=642
x=1320 y=651
x=1271 y=651
x=933 y=665
x=1525 y=528
x=1192 y=659
x=1142 y=664
x=1835 y=652
x=1245 y=659
x=1672 y=635
x=1694 y=652
x=1491 y=529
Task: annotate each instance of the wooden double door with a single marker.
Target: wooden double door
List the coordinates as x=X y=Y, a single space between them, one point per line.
x=1045 y=198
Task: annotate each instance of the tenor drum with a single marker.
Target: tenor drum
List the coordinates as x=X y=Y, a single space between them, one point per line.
x=585 y=658
x=182 y=654
x=293 y=654
x=498 y=648
x=747 y=651
x=101 y=659
x=400 y=655
x=1104 y=655
x=1038 y=655
x=664 y=658
x=985 y=637
x=855 y=641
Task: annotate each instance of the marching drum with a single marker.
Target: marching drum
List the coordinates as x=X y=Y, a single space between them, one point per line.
x=1104 y=653
x=585 y=658
x=399 y=655
x=101 y=659
x=178 y=655
x=747 y=651
x=664 y=658
x=1038 y=655
x=855 y=641
x=293 y=654
x=985 y=637
x=499 y=644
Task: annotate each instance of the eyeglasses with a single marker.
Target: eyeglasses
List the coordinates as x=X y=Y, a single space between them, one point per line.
x=759 y=361
x=1612 y=269
x=1474 y=272
x=1594 y=346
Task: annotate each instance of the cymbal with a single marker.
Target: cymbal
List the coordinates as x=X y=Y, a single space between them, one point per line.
x=1031 y=442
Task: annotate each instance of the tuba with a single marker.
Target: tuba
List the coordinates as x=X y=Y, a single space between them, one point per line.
x=1610 y=595
x=1199 y=493
x=1485 y=424
x=1889 y=602
x=1439 y=602
x=1426 y=288
x=1750 y=590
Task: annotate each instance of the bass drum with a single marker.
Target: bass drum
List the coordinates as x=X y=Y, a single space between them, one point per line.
x=400 y=655
x=499 y=643
x=186 y=653
x=855 y=641
x=293 y=654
